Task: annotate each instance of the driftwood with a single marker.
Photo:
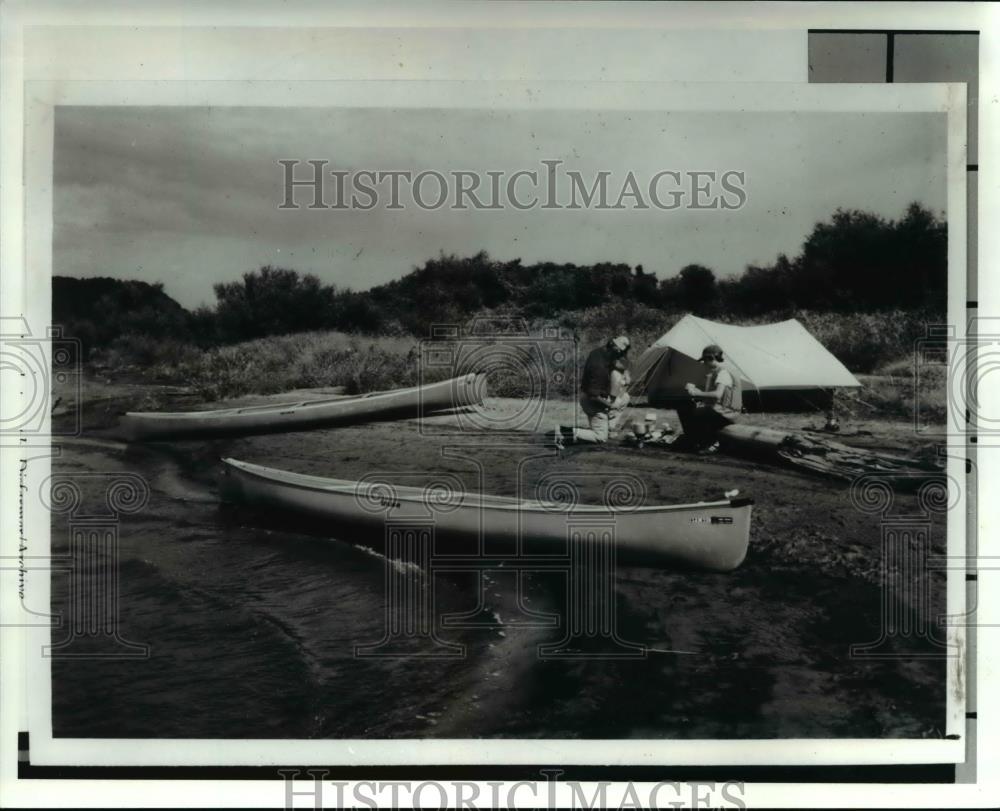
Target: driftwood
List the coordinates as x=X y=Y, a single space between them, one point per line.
x=825 y=456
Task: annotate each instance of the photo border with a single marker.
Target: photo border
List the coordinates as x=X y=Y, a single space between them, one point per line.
x=40 y=99
x=735 y=22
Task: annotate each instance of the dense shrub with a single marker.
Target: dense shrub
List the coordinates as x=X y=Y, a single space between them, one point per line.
x=896 y=391
x=306 y=360
x=100 y=310
x=360 y=364
x=865 y=341
x=271 y=301
x=141 y=355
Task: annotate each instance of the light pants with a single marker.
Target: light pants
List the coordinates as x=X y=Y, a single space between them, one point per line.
x=602 y=419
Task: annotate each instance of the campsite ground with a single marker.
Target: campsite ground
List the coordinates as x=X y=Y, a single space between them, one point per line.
x=252 y=629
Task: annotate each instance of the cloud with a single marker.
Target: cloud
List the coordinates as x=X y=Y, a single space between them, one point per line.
x=189 y=196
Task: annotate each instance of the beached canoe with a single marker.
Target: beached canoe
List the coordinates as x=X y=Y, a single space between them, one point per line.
x=709 y=535
x=456 y=392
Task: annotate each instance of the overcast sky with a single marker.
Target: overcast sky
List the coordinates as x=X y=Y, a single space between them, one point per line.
x=189 y=196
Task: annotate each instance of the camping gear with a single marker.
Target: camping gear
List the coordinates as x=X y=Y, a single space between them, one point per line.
x=710 y=535
x=645 y=426
x=416 y=401
x=827 y=457
x=777 y=367
x=643 y=432
x=812 y=454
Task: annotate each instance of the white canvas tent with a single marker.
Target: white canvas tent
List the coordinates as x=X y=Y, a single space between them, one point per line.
x=777 y=366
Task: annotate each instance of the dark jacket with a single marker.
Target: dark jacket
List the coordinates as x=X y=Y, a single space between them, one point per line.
x=596 y=381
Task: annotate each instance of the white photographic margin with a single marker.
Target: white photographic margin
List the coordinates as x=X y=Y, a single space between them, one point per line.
x=728 y=19
x=40 y=100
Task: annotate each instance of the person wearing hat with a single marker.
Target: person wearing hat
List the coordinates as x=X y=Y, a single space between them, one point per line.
x=711 y=408
x=603 y=393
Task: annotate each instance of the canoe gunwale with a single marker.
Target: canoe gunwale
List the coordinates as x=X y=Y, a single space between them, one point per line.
x=454 y=394
x=712 y=535
x=298 y=405
x=279 y=478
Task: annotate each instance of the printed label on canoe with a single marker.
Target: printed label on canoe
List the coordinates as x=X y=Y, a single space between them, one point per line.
x=722 y=519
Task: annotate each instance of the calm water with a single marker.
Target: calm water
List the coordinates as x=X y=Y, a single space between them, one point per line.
x=252 y=631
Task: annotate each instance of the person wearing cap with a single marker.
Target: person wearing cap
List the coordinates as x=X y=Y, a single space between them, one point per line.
x=603 y=393
x=711 y=408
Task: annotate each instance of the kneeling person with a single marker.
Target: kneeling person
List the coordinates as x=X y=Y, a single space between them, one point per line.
x=603 y=393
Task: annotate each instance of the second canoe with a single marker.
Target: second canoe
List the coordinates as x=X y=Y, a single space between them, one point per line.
x=457 y=392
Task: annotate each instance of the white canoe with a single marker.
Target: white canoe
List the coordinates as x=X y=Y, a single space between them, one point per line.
x=709 y=535
x=456 y=392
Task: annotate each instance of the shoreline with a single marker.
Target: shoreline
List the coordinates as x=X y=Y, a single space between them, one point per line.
x=770 y=640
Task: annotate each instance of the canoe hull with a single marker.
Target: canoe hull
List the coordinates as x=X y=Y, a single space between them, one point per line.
x=457 y=392
x=708 y=535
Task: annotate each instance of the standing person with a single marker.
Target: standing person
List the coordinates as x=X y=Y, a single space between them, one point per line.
x=603 y=393
x=712 y=408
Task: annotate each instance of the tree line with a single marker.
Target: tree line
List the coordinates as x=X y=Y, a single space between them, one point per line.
x=857 y=261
